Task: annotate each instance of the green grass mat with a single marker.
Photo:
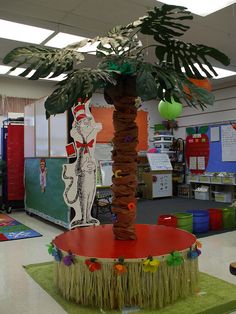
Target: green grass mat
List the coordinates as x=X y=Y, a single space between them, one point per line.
x=215 y=297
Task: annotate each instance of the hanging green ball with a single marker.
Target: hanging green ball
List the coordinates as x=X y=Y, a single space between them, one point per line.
x=170 y=111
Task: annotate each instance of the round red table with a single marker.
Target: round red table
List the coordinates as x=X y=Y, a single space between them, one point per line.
x=146 y=287
x=99 y=242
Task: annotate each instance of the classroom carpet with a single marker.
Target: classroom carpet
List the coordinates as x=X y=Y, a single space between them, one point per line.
x=11 y=229
x=214 y=296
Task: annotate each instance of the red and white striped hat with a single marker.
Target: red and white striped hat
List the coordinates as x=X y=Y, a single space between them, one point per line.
x=79 y=110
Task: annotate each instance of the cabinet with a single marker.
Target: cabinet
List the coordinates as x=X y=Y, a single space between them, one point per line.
x=158 y=184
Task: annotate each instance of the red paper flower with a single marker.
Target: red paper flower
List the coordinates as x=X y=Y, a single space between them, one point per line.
x=92 y=264
x=131 y=206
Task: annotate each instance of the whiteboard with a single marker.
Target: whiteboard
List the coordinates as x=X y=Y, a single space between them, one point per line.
x=29 y=131
x=159 y=162
x=228 y=143
x=58 y=135
x=106 y=172
x=41 y=129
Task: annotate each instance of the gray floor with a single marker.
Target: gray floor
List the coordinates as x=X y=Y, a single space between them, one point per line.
x=149 y=210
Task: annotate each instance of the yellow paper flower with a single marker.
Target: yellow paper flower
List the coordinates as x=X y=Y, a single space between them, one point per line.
x=150 y=265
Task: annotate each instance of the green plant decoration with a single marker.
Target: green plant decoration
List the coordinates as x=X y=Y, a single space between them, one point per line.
x=124 y=74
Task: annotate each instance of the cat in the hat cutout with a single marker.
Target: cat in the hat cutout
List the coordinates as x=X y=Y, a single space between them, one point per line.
x=80 y=176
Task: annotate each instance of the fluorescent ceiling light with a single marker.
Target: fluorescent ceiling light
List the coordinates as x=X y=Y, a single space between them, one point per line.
x=18 y=71
x=58 y=78
x=91 y=49
x=221 y=72
x=4 y=69
x=201 y=7
x=61 y=40
x=22 y=32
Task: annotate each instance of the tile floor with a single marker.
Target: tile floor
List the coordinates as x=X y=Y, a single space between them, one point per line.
x=19 y=294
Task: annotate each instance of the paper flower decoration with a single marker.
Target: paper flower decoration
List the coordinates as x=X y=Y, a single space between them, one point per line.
x=154 y=178
x=119 y=267
x=129 y=139
x=150 y=265
x=57 y=254
x=113 y=217
x=199 y=244
x=131 y=206
x=92 y=264
x=174 y=259
x=50 y=248
x=192 y=254
x=198 y=252
x=68 y=259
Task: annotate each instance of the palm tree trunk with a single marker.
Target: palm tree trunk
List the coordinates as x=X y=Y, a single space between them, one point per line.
x=124 y=155
x=124 y=167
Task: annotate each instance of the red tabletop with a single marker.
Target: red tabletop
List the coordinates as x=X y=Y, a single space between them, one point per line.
x=99 y=242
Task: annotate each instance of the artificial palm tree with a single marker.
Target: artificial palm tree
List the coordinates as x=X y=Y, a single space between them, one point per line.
x=124 y=75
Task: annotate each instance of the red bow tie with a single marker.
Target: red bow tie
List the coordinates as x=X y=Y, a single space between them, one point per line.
x=85 y=145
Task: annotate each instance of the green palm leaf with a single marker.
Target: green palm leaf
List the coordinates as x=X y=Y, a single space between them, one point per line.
x=43 y=60
x=80 y=83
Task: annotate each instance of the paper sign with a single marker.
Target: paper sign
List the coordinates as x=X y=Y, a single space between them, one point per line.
x=228 y=143
x=193 y=163
x=215 y=134
x=201 y=163
x=159 y=162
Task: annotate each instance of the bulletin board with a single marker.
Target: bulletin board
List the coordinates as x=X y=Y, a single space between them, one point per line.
x=104 y=116
x=215 y=162
x=50 y=204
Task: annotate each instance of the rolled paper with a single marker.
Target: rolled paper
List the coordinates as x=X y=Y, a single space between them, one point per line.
x=117 y=173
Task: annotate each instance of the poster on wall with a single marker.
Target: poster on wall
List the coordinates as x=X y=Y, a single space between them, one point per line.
x=228 y=143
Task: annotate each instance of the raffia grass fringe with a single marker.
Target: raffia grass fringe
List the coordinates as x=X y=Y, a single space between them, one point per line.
x=106 y=289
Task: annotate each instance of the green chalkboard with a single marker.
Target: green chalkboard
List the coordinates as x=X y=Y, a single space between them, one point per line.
x=50 y=203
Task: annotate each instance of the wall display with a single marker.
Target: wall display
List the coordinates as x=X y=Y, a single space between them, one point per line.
x=197 y=149
x=159 y=162
x=215 y=161
x=80 y=176
x=228 y=143
x=105 y=116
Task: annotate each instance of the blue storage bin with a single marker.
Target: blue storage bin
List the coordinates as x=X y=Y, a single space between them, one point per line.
x=201 y=220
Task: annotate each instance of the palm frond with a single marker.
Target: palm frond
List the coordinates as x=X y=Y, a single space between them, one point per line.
x=80 y=83
x=163 y=23
x=184 y=55
x=43 y=60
